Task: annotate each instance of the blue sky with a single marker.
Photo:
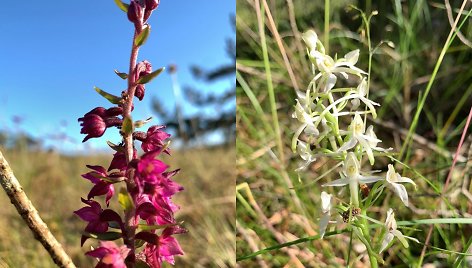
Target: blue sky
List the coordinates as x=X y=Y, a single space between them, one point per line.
x=54 y=52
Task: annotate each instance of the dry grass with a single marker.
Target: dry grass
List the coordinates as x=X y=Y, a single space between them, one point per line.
x=53 y=183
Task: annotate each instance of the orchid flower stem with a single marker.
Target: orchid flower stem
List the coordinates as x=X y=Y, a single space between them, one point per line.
x=130 y=225
x=365 y=232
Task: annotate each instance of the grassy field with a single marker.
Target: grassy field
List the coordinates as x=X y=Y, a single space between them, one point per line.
x=53 y=183
x=277 y=205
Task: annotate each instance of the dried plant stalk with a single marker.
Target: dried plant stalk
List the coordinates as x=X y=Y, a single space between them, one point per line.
x=31 y=216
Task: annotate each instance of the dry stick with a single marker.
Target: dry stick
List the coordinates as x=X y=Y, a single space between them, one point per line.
x=31 y=216
x=449 y=176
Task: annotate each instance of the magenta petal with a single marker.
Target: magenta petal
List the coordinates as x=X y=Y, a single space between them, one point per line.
x=148 y=237
x=110 y=215
x=118 y=161
x=169 y=246
x=110 y=193
x=99 y=169
x=87 y=214
x=146 y=210
x=97 y=227
x=98 y=252
x=100 y=188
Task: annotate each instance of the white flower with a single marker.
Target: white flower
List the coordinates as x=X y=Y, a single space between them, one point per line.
x=360 y=95
x=393 y=181
x=391 y=226
x=328 y=67
x=356 y=131
x=325 y=212
x=306 y=154
x=351 y=175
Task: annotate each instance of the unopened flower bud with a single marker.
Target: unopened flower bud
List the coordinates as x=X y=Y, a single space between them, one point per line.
x=150 y=6
x=135 y=14
x=92 y=125
x=142 y=68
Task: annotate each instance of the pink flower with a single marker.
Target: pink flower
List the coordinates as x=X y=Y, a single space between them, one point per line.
x=154 y=139
x=150 y=169
x=166 y=249
x=110 y=255
x=103 y=182
x=97 y=218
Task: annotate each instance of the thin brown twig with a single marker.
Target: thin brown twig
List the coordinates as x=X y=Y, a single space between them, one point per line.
x=451 y=22
x=31 y=216
x=276 y=34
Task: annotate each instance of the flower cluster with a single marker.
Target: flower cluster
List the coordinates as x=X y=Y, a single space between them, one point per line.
x=146 y=225
x=320 y=110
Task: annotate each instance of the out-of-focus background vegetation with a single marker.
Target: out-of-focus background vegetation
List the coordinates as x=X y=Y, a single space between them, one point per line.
x=276 y=205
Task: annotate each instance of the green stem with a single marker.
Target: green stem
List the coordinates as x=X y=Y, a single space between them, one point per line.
x=270 y=87
x=365 y=232
x=326 y=27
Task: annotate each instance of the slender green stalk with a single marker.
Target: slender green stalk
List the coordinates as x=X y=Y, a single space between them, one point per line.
x=260 y=10
x=450 y=38
x=326 y=26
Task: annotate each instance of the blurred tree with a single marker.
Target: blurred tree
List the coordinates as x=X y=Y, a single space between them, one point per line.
x=198 y=125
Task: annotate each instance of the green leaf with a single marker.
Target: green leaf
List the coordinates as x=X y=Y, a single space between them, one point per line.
x=127 y=126
x=115 y=147
x=142 y=36
x=145 y=227
x=141 y=123
x=147 y=78
x=125 y=200
x=111 y=98
x=108 y=236
x=122 y=75
x=122 y=5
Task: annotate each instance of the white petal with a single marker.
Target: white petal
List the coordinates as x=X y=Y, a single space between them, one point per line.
x=387 y=239
x=323 y=224
x=366 y=146
x=401 y=192
x=405 y=179
x=370 y=179
x=400 y=237
x=338 y=182
x=325 y=202
x=310 y=39
x=391 y=176
x=330 y=82
x=352 y=56
x=348 y=145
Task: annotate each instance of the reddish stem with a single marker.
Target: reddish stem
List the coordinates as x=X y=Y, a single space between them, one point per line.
x=130 y=225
